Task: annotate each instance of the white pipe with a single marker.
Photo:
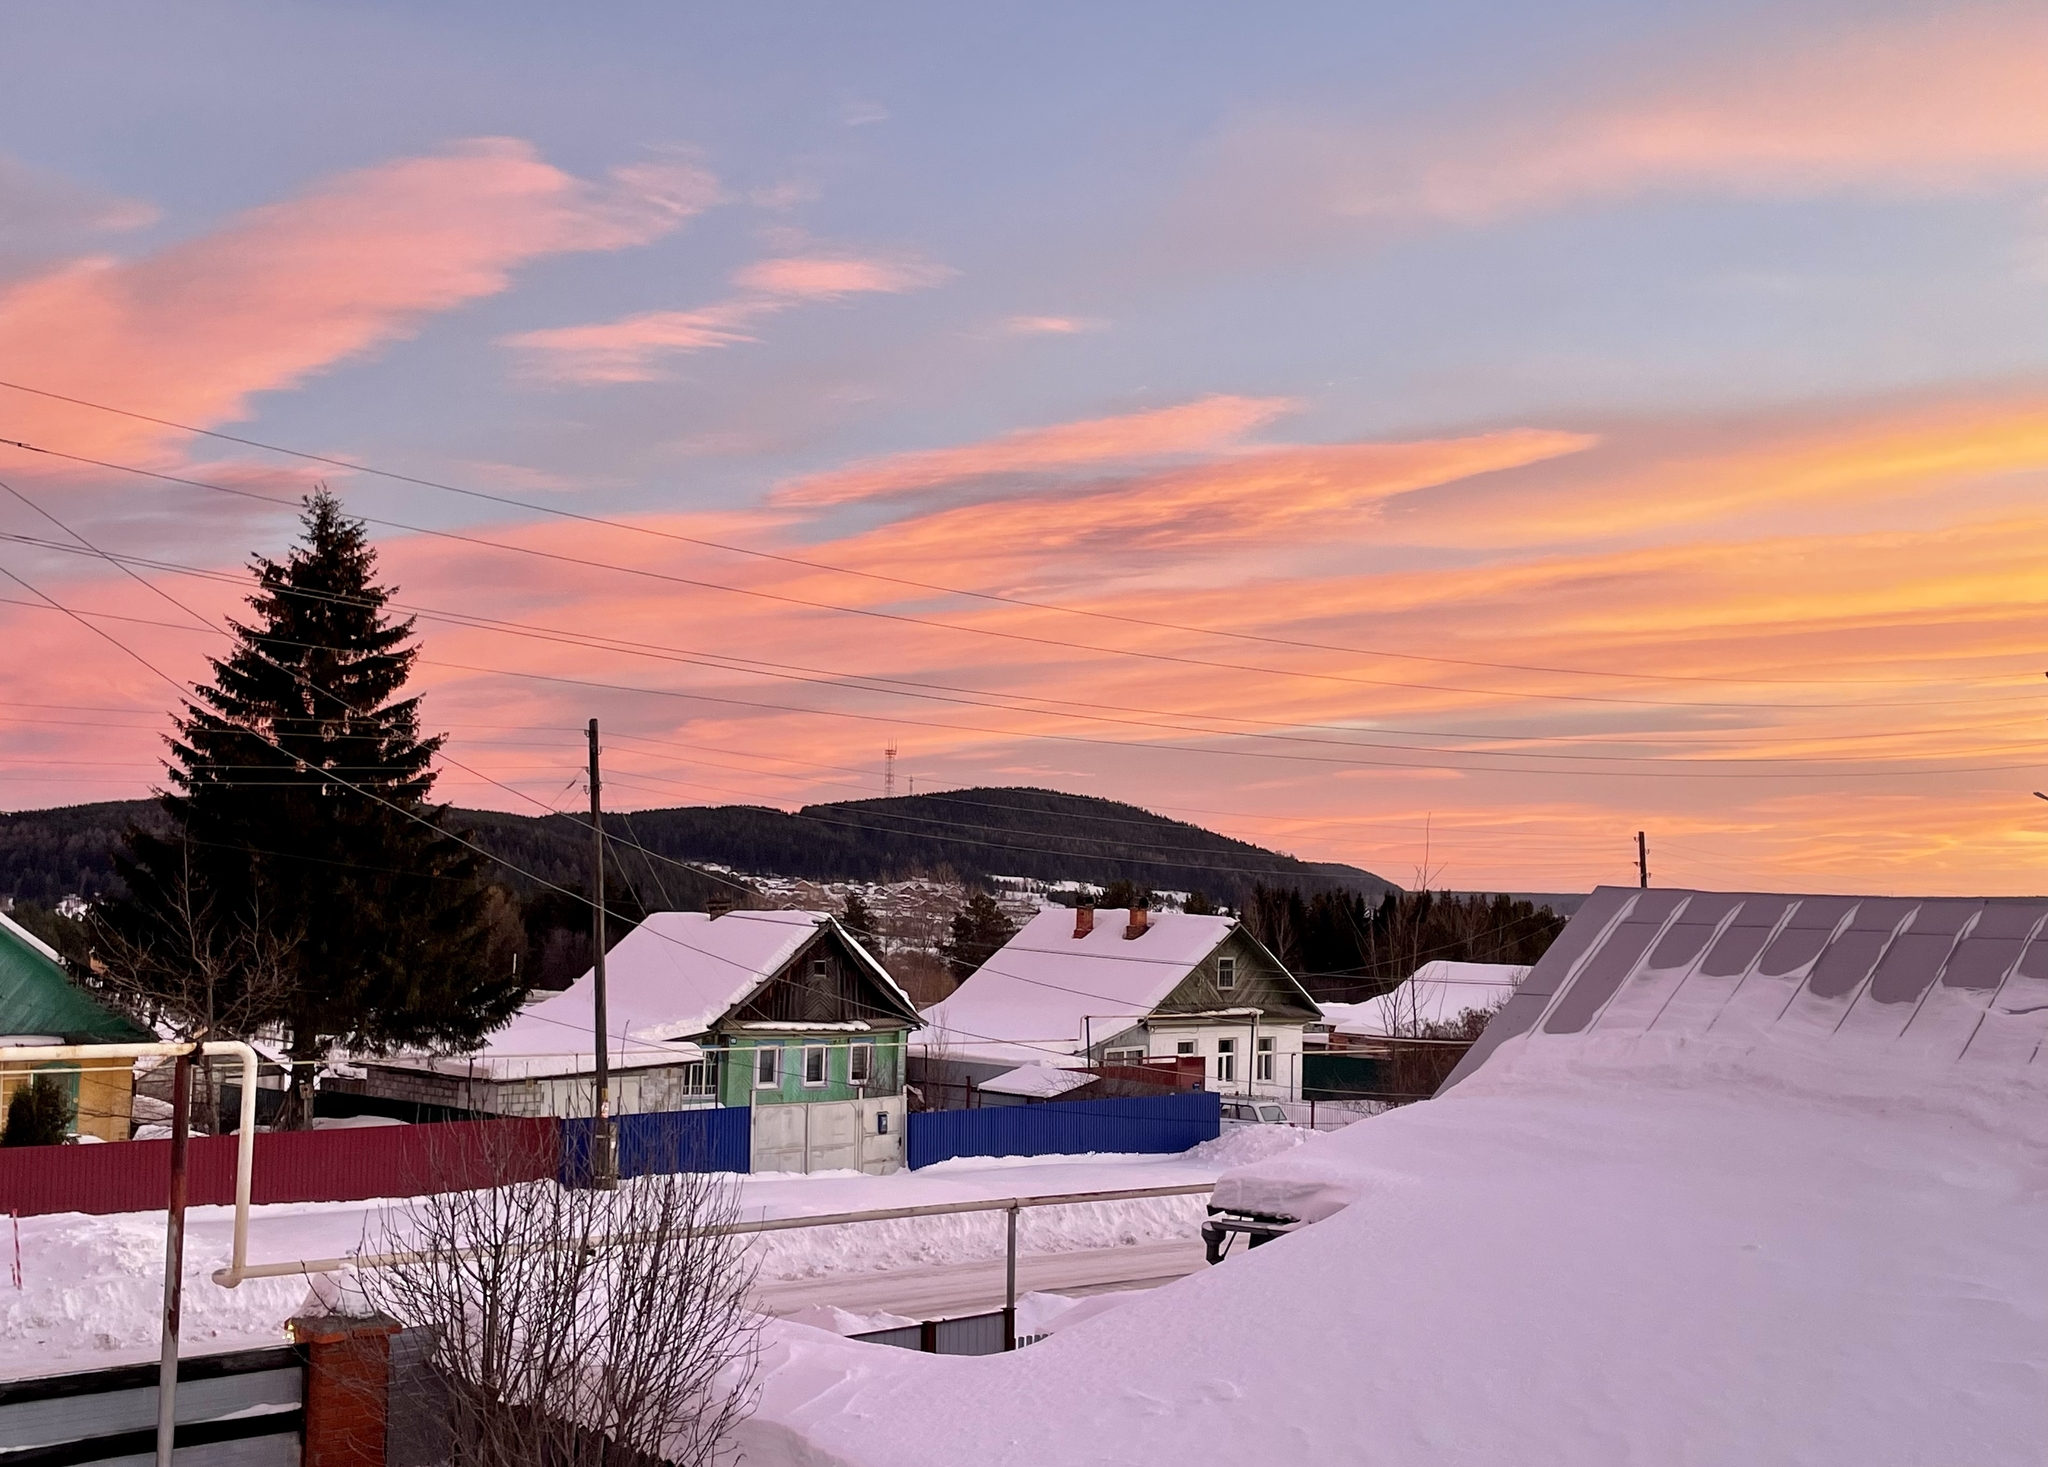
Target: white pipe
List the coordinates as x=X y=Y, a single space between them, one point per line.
x=245 y=1149
x=765 y=1225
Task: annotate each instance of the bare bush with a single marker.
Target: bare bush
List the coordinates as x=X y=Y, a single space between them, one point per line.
x=576 y=1328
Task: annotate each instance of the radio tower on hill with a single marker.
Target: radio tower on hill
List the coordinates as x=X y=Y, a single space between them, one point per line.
x=889 y=772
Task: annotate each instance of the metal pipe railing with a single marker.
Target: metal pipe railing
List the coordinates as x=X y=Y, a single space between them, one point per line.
x=174 y=1224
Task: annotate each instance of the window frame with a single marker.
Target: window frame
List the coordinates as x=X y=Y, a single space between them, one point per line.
x=860 y=1063
x=1226 y=974
x=1263 y=1058
x=1123 y=1056
x=1226 y=1061
x=824 y=1054
x=768 y=1066
x=1183 y=1047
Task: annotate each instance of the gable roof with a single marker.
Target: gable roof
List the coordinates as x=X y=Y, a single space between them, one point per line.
x=1962 y=979
x=1047 y=991
x=38 y=997
x=667 y=982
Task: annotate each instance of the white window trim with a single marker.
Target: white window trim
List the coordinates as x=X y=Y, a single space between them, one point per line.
x=1187 y=1046
x=824 y=1053
x=865 y=1053
x=1226 y=1061
x=773 y=1079
x=1226 y=974
x=1263 y=1063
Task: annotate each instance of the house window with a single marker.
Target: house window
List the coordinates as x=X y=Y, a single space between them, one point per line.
x=814 y=1064
x=1185 y=1046
x=1123 y=1056
x=768 y=1067
x=1264 y=1063
x=817 y=970
x=697 y=1078
x=1226 y=1059
x=860 y=1065
x=1226 y=974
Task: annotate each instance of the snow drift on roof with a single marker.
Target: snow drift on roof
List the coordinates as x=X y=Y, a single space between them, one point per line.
x=1046 y=988
x=1037 y=1082
x=1947 y=978
x=1436 y=993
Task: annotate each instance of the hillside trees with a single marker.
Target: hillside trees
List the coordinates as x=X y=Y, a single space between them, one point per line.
x=1344 y=948
x=299 y=810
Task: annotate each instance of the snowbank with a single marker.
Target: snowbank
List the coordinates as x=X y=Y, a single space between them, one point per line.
x=92 y=1286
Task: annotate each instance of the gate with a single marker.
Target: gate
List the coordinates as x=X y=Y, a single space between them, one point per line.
x=245 y=1409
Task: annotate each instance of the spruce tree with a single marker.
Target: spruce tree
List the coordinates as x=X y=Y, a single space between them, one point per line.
x=299 y=809
x=979 y=929
x=858 y=918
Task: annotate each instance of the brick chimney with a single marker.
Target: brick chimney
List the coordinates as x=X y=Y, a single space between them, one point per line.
x=1136 y=927
x=717 y=905
x=1084 y=921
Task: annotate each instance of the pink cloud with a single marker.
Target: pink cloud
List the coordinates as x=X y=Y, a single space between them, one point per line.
x=287 y=289
x=633 y=348
x=827 y=276
x=1048 y=325
x=1939 y=105
x=1207 y=425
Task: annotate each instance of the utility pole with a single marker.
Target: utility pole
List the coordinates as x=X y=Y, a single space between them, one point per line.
x=604 y=1171
x=1642 y=857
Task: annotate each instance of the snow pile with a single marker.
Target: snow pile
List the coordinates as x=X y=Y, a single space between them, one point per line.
x=1243 y=1145
x=844 y=1322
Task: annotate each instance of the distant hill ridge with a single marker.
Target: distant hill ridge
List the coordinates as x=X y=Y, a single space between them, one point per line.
x=1000 y=830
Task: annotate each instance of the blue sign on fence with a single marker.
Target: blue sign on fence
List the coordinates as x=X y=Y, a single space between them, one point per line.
x=713 y=1139
x=1135 y=1123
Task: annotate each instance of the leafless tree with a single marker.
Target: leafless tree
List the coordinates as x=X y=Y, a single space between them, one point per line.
x=568 y=1327
x=195 y=974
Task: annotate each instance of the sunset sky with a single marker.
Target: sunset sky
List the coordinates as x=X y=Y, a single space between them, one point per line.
x=1440 y=437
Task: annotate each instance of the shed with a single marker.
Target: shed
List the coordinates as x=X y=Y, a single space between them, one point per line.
x=40 y=1004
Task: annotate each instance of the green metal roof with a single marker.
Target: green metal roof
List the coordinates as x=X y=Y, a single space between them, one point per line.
x=38 y=997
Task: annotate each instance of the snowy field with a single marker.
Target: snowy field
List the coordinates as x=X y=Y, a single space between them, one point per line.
x=92 y=1286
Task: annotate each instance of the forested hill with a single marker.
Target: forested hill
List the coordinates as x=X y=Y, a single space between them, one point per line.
x=47 y=854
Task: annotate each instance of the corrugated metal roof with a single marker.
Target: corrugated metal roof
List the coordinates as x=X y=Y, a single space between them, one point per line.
x=38 y=997
x=1948 y=978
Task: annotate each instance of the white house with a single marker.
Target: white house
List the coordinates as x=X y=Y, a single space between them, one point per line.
x=1077 y=987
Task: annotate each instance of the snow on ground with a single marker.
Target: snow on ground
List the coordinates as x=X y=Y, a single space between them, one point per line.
x=92 y=1286
x=1589 y=1253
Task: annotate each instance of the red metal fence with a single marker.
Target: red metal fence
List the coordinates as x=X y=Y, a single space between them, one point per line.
x=291 y=1166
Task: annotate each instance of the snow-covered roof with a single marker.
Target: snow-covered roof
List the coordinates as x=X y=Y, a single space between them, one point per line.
x=1037 y=1082
x=1435 y=993
x=666 y=983
x=1955 y=978
x=1047 y=991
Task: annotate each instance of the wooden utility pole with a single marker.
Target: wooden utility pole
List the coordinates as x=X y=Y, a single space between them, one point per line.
x=1642 y=856
x=604 y=1171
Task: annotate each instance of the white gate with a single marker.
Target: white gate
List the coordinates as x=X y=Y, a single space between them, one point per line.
x=829 y=1135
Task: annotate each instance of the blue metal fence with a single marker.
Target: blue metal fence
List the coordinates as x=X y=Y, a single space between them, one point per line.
x=713 y=1139
x=1135 y=1123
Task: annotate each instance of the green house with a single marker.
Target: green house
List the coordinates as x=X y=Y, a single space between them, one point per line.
x=782 y=1012
x=39 y=1004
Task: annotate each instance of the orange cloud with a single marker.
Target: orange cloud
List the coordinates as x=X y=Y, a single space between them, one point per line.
x=290 y=288
x=1048 y=325
x=1238 y=504
x=1197 y=427
x=1939 y=105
